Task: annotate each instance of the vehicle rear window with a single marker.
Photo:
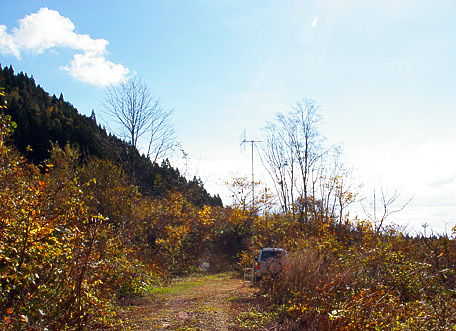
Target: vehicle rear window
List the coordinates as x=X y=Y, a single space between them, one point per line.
x=268 y=254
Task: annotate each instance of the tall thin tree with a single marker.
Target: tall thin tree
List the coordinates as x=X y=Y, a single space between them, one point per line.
x=138 y=114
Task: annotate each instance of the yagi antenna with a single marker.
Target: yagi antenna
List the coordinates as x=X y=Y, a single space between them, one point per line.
x=242 y=142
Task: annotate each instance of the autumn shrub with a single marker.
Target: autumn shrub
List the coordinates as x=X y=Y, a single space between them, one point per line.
x=271 y=230
x=174 y=236
x=108 y=192
x=439 y=252
x=385 y=282
x=225 y=241
x=394 y=290
x=309 y=290
x=276 y=230
x=57 y=259
x=389 y=281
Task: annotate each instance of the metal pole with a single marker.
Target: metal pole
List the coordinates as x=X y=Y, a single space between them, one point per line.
x=244 y=141
x=253 y=222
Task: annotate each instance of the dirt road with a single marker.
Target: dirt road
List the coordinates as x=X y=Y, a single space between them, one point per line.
x=216 y=302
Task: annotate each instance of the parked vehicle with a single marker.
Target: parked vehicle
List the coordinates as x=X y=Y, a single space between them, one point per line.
x=271 y=261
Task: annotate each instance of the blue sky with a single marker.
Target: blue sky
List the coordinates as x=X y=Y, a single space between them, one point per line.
x=383 y=73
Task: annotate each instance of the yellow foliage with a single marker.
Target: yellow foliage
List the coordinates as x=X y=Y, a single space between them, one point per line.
x=57 y=260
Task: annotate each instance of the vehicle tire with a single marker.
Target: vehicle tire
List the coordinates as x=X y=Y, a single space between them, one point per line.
x=274 y=267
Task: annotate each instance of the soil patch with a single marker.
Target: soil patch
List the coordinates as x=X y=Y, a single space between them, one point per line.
x=214 y=302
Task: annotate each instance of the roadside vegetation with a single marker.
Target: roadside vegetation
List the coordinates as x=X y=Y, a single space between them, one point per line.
x=81 y=232
x=362 y=280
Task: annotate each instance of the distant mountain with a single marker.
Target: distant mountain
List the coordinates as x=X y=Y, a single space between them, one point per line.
x=42 y=120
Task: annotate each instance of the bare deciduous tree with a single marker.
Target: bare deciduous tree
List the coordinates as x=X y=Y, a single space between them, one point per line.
x=336 y=185
x=274 y=157
x=308 y=148
x=311 y=181
x=162 y=137
x=386 y=200
x=293 y=141
x=138 y=115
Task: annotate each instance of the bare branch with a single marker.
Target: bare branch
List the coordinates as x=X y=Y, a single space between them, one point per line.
x=386 y=201
x=131 y=105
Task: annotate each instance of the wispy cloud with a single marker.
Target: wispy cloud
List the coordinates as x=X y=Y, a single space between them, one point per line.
x=442 y=182
x=47 y=29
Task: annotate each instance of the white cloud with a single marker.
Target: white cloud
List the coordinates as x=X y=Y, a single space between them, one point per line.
x=94 y=69
x=47 y=29
x=8 y=46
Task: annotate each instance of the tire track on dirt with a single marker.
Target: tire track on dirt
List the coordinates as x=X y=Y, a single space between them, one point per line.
x=194 y=303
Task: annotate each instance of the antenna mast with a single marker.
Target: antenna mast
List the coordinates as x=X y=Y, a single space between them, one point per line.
x=243 y=144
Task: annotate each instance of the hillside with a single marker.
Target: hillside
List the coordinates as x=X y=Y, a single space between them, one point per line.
x=43 y=119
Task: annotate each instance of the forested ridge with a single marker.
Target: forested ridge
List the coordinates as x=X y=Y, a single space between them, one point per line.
x=43 y=120
x=80 y=231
